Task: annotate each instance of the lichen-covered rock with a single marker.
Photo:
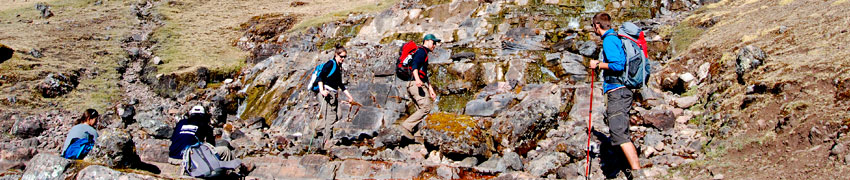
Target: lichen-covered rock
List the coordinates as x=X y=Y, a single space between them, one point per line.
x=749 y=58
x=546 y=164
x=27 y=127
x=155 y=124
x=113 y=148
x=521 y=125
x=46 y=166
x=457 y=134
x=58 y=84
x=153 y=150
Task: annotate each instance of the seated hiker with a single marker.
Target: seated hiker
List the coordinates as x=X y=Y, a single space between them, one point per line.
x=81 y=138
x=191 y=131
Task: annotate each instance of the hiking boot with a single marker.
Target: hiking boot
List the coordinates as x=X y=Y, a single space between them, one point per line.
x=634 y=174
x=405 y=132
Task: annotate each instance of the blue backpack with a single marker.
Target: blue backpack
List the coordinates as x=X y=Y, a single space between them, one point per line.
x=314 y=84
x=79 y=148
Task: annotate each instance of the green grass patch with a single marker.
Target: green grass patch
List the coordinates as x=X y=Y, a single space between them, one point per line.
x=340 y=15
x=683 y=35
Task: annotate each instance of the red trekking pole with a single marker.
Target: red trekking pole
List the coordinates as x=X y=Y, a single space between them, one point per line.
x=589 y=124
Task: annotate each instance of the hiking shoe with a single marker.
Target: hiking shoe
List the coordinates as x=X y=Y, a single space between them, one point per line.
x=405 y=132
x=634 y=174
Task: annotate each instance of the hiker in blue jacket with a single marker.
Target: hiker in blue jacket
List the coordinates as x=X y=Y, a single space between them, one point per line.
x=330 y=84
x=193 y=130
x=619 y=100
x=84 y=131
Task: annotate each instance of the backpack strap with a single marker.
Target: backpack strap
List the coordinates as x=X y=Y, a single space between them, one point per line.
x=333 y=68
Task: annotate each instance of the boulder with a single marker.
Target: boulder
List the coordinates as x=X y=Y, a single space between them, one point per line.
x=5 y=53
x=456 y=134
x=154 y=123
x=27 y=127
x=573 y=64
x=749 y=58
x=46 y=166
x=114 y=148
x=686 y=102
x=96 y=172
x=516 y=72
x=57 y=84
x=153 y=150
x=307 y=167
x=546 y=164
x=659 y=118
x=513 y=161
x=488 y=108
x=519 y=125
x=581 y=106
x=493 y=165
x=16 y=157
x=44 y=10
x=360 y=169
x=492 y=72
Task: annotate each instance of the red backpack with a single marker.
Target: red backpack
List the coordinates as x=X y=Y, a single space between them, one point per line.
x=404 y=70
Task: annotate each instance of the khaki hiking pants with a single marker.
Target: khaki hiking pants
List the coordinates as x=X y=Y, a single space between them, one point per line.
x=328 y=113
x=423 y=106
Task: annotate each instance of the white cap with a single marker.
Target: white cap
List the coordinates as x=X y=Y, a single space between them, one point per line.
x=197 y=110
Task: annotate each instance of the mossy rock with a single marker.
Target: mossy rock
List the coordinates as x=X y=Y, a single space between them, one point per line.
x=456 y=134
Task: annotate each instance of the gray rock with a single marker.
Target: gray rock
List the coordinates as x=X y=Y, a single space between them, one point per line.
x=537 y=112
x=16 y=157
x=546 y=164
x=44 y=10
x=492 y=72
x=493 y=165
x=581 y=106
x=659 y=118
x=463 y=55
x=652 y=138
x=686 y=102
x=480 y=107
x=27 y=127
x=440 y=56
x=36 y=53
x=513 y=160
x=573 y=64
x=749 y=58
x=586 y=48
x=446 y=172
x=155 y=124
x=96 y=172
x=113 y=148
x=468 y=162
x=58 y=84
x=571 y=171
x=153 y=150
x=365 y=121
x=516 y=72
x=46 y=166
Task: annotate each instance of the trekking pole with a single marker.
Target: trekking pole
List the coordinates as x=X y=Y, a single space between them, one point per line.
x=589 y=124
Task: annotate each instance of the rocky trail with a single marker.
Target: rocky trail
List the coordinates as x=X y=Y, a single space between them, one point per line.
x=511 y=76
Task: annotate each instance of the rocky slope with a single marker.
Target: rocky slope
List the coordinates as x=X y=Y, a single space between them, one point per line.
x=514 y=94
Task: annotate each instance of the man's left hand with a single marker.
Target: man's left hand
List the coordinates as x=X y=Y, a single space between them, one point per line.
x=594 y=64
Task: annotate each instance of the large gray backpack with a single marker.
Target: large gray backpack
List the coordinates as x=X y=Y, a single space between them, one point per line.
x=199 y=160
x=638 y=66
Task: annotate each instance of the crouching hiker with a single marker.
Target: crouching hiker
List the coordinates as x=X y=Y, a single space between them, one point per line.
x=191 y=146
x=81 y=138
x=326 y=80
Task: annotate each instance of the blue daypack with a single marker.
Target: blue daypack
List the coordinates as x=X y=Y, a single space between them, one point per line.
x=79 y=148
x=314 y=85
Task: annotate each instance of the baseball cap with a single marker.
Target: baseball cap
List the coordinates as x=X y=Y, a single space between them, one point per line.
x=197 y=110
x=431 y=37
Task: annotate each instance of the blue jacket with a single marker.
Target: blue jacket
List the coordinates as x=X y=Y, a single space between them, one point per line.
x=615 y=56
x=187 y=133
